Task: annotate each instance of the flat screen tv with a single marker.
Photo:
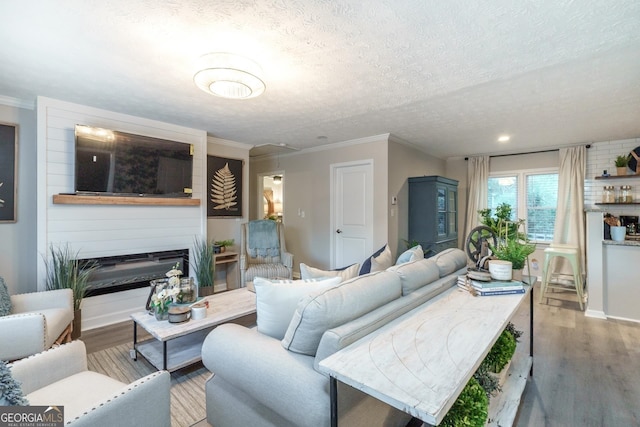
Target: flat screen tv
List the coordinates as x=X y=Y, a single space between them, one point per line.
x=117 y=163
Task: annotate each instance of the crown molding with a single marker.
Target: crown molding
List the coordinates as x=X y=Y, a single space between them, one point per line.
x=16 y=102
x=228 y=143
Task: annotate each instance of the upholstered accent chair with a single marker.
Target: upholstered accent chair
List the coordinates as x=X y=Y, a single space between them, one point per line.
x=36 y=321
x=263 y=252
x=60 y=376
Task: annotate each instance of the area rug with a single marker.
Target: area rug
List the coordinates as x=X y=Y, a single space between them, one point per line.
x=187 y=385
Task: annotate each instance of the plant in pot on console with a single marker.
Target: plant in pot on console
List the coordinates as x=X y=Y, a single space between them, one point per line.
x=65 y=270
x=621 y=163
x=221 y=245
x=512 y=244
x=515 y=251
x=203 y=265
x=501 y=223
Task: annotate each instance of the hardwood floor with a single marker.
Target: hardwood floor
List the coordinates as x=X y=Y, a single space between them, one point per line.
x=586 y=371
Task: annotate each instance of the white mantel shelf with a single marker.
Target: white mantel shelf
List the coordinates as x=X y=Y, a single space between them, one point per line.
x=74 y=199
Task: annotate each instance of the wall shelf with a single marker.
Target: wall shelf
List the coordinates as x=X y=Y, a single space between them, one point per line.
x=74 y=199
x=618 y=176
x=619 y=204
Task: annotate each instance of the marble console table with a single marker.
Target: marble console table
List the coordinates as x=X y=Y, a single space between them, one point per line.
x=420 y=362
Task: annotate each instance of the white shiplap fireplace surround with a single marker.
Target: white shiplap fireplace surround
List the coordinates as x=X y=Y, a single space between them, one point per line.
x=109 y=230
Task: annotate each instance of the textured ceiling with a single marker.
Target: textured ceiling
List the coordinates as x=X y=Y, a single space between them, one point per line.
x=448 y=76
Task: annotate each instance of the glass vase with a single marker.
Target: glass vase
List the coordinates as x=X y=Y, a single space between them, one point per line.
x=161 y=314
x=188 y=291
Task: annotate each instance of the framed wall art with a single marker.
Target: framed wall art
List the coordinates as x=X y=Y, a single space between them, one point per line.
x=224 y=187
x=8 y=171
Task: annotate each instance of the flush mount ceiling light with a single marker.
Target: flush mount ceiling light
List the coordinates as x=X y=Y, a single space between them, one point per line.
x=504 y=138
x=277 y=179
x=229 y=76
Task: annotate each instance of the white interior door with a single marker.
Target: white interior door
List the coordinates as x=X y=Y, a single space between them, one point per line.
x=351 y=212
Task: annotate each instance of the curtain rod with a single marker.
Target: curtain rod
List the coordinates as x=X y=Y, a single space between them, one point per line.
x=528 y=152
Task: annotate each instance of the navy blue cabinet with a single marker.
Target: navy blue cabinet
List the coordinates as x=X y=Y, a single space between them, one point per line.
x=433 y=213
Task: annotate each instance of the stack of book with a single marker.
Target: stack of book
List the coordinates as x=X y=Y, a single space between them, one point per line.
x=494 y=287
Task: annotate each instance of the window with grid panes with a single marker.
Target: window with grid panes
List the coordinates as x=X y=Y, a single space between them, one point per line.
x=533 y=196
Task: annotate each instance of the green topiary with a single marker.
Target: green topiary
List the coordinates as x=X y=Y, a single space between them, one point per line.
x=470 y=409
x=501 y=352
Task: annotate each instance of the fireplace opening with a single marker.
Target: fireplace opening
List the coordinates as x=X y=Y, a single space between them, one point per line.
x=133 y=271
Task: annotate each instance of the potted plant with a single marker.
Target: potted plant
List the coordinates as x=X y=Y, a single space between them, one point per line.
x=516 y=252
x=513 y=245
x=221 y=245
x=203 y=265
x=64 y=270
x=621 y=163
x=501 y=223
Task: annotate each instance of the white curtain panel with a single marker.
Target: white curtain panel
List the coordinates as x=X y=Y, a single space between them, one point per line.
x=570 y=227
x=478 y=191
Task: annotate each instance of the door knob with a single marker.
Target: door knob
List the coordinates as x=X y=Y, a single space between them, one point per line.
x=338 y=231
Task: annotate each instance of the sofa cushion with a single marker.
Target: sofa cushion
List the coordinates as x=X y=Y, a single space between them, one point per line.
x=366 y=264
x=335 y=306
x=307 y=272
x=414 y=254
x=450 y=260
x=5 y=299
x=276 y=301
x=72 y=393
x=416 y=274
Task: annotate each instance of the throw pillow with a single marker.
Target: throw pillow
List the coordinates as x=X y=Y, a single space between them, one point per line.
x=366 y=265
x=10 y=390
x=5 y=299
x=382 y=261
x=346 y=273
x=276 y=301
x=414 y=254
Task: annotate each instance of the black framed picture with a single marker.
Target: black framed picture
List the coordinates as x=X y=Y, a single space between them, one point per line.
x=8 y=171
x=224 y=187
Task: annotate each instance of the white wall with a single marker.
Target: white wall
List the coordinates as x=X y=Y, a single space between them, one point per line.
x=105 y=230
x=18 y=253
x=405 y=161
x=307 y=188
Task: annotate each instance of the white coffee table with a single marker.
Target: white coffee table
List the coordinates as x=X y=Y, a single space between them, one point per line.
x=176 y=345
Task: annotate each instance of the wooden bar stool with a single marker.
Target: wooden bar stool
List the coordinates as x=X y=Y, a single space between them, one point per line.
x=571 y=254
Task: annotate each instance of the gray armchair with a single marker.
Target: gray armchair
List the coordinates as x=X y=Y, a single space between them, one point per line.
x=36 y=322
x=59 y=376
x=263 y=252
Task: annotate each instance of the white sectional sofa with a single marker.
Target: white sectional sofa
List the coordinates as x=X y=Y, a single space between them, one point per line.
x=260 y=380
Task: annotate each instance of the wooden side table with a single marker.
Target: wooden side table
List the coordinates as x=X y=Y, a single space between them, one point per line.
x=229 y=262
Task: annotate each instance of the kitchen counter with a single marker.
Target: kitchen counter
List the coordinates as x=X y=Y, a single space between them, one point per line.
x=612 y=283
x=627 y=242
